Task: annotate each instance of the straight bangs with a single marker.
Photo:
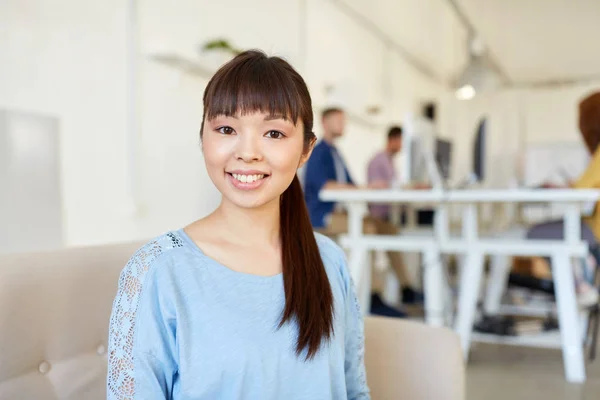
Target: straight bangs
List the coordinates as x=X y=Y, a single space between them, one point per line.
x=257 y=83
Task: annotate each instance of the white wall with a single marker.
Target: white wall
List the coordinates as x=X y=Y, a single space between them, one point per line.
x=343 y=53
x=552 y=114
x=68 y=59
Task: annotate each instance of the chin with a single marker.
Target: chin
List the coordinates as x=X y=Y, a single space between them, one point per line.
x=248 y=205
x=248 y=202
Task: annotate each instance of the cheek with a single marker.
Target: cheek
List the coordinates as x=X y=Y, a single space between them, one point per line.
x=286 y=161
x=216 y=153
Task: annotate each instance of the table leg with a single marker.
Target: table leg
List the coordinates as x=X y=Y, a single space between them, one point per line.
x=467 y=299
x=434 y=287
x=497 y=283
x=357 y=261
x=568 y=317
x=360 y=271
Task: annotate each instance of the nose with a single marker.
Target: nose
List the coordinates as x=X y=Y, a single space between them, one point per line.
x=248 y=149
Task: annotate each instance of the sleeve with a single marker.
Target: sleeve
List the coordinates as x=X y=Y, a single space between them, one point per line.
x=372 y=171
x=141 y=335
x=377 y=172
x=348 y=177
x=319 y=171
x=356 y=379
x=591 y=176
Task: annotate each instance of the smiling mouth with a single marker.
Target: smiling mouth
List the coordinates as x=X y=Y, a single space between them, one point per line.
x=242 y=178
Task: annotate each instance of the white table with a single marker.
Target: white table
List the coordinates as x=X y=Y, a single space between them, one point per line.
x=474 y=248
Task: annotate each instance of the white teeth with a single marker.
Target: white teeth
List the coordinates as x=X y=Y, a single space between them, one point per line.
x=247 y=178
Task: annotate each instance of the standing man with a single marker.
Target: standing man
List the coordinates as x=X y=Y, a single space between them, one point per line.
x=381 y=172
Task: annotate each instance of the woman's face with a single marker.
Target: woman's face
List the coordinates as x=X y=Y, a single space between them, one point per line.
x=252 y=158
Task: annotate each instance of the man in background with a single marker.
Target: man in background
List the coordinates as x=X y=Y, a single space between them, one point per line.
x=381 y=172
x=326 y=169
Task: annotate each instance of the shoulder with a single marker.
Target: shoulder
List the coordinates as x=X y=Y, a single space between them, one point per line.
x=375 y=159
x=148 y=257
x=328 y=248
x=334 y=259
x=320 y=145
x=157 y=247
x=321 y=148
x=381 y=158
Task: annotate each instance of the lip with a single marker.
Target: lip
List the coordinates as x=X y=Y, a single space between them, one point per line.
x=248 y=185
x=247 y=172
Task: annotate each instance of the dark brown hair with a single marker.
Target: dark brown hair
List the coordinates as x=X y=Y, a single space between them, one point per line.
x=253 y=82
x=589 y=121
x=394 y=132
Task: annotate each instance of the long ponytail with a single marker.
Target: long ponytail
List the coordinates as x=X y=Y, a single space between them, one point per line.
x=308 y=296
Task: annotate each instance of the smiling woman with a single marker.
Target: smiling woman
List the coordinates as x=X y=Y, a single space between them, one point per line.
x=247 y=303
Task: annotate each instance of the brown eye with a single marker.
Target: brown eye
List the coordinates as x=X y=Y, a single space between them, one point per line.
x=275 y=135
x=225 y=130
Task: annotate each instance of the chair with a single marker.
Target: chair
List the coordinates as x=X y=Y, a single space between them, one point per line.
x=54 y=314
x=410 y=360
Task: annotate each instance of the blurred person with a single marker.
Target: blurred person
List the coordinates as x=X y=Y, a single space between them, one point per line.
x=326 y=169
x=248 y=302
x=589 y=126
x=381 y=172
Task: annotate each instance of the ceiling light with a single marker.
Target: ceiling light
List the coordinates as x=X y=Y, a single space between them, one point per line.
x=478 y=76
x=465 y=92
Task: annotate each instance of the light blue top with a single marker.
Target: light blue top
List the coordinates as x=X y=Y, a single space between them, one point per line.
x=184 y=327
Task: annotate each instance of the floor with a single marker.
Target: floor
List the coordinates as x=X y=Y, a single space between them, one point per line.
x=498 y=372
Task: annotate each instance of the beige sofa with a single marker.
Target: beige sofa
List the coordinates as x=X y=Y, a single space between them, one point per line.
x=54 y=313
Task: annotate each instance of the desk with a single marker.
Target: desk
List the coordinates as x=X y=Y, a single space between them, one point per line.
x=474 y=248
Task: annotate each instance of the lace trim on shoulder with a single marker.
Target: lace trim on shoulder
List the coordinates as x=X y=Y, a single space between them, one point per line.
x=121 y=380
x=359 y=343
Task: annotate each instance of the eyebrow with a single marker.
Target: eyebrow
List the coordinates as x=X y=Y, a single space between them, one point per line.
x=274 y=117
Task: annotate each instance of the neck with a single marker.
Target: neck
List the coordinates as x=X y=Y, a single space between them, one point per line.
x=250 y=226
x=328 y=137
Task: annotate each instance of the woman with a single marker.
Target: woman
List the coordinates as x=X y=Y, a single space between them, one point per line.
x=247 y=303
x=589 y=125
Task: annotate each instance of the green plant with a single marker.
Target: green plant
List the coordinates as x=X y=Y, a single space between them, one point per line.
x=220 y=44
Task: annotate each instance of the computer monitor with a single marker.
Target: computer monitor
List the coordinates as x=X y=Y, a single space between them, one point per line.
x=418 y=170
x=418 y=140
x=479 y=151
x=443 y=157
x=419 y=153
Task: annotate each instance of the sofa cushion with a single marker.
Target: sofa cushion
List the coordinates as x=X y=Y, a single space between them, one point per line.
x=54 y=316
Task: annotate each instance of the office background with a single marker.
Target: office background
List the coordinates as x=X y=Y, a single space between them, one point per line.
x=72 y=61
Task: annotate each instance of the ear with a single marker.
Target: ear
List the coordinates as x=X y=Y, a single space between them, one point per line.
x=307 y=153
